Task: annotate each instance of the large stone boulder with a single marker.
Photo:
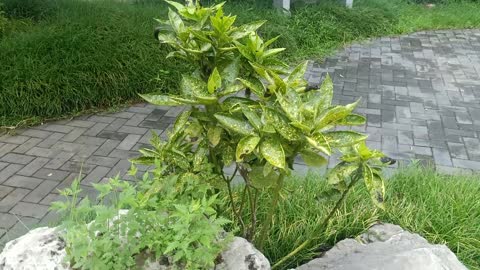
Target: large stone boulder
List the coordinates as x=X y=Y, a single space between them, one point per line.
x=386 y=247
x=43 y=249
x=242 y=255
x=38 y=249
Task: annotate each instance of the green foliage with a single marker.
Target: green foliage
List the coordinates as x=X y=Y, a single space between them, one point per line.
x=3 y=21
x=418 y=199
x=259 y=134
x=31 y=9
x=87 y=55
x=161 y=218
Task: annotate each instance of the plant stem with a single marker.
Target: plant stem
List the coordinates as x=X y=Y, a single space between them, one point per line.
x=323 y=225
x=238 y=215
x=268 y=219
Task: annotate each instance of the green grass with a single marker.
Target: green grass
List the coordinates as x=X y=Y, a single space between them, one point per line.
x=86 y=56
x=64 y=57
x=443 y=209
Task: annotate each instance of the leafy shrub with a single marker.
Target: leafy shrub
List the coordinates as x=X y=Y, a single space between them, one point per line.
x=259 y=134
x=32 y=9
x=165 y=221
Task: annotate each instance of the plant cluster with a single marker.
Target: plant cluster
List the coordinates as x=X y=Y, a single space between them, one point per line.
x=259 y=134
x=160 y=219
x=262 y=132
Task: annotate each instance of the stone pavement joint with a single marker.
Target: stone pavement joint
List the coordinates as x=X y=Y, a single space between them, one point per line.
x=420 y=94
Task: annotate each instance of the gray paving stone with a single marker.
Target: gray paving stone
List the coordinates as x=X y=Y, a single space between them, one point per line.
x=51 y=174
x=17 y=158
x=4 y=191
x=9 y=201
x=96 y=175
x=8 y=171
x=25 y=209
x=33 y=166
x=129 y=142
x=40 y=192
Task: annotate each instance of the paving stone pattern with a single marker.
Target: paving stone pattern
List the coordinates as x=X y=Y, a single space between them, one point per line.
x=421 y=94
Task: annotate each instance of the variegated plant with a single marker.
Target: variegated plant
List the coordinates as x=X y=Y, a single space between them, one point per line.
x=261 y=132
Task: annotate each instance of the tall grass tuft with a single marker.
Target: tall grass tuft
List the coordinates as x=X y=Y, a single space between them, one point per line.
x=443 y=209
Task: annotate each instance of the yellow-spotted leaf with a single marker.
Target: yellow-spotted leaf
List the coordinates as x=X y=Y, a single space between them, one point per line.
x=339 y=174
x=259 y=180
x=343 y=138
x=352 y=120
x=214 y=81
x=214 y=135
x=272 y=151
x=161 y=100
x=318 y=141
x=255 y=85
x=281 y=124
x=234 y=124
x=246 y=146
x=375 y=186
x=312 y=158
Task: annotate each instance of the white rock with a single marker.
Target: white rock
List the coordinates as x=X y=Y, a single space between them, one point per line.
x=386 y=247
x=39 y=249
x=242 y=255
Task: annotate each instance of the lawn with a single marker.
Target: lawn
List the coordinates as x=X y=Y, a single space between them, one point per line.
x=443 y=209
x=61 y=58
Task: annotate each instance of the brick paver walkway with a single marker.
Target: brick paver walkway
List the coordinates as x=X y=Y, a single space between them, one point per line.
x=421 y=94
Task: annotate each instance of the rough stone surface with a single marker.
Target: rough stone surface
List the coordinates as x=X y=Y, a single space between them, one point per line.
x=242 y=255
x=420 y=93
x=39 y=249
x=386 y=247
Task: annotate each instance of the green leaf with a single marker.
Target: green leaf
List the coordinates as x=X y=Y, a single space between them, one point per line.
x=259 y=180
x=281 y=125
x=246 y=146
x=246 y=29
x=228 y=155
x=175 y=21
x=214 y=135
x=199 y=158
x=214 y=82
x=235 y=125
x=161 y=100
x=333 y=115
x=343 y=138
x=252 y=116
x=272 y=52
x=181 y=121
x=375 y=186
x=352 y=120
x=195 y=88
x=339 y=174
x=272 y=151
x=255 y=85
x=298 y=73
x=229 y=70
x=312 y=159
x=318 y=141
x=290 y=103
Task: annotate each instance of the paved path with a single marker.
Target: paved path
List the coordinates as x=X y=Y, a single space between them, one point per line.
x=421 y=94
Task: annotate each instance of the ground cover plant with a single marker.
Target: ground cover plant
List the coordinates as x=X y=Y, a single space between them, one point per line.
x=444 y=209
x=65 y=57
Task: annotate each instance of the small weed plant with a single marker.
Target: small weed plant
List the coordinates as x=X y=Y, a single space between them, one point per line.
x=171 y=219
x=246 y=110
